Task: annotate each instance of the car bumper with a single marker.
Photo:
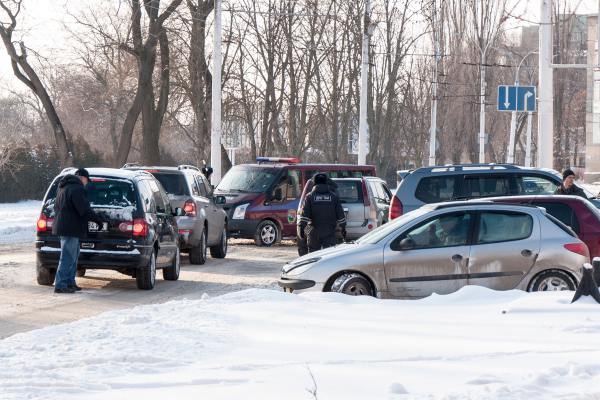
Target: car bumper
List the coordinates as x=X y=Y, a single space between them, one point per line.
x=135 y=258
x=356 y=231
x=242 y=228
x=299 y=285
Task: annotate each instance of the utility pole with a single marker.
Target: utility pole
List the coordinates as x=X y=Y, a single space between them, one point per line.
x=528 y=145
x=546 y=92
x=482 y=109
x=215 y=128
x=363 y=127
x=434 y=84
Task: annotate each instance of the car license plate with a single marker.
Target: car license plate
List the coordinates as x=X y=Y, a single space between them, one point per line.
x=94 y=227
x=87 y=245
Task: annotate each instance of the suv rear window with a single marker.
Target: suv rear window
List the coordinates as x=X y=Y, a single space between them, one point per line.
x=106 y=192
x=173 y=183
x=436 y=189
x=350 y=191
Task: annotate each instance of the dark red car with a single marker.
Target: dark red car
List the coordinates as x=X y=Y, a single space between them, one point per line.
x=262 y=199
x=574 y=211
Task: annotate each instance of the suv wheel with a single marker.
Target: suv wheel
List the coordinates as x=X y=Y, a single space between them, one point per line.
x=552 y=280
x=171 y=273
x=220 y=250
x=267 y=233
x=353 y=285
x=198 y=253
x=45 y=274
x=145 y=276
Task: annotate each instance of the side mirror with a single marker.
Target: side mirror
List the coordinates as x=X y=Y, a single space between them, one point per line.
x=407 y=244
x=278 y=194
x=220 y=200
x=179 y=212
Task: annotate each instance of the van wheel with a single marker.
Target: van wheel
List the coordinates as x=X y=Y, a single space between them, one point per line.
x=171 y=273
x=267 y=234
x=552 y=280
x=198 y=253
x=45 y=275
x=145 y=276
x=353 y=285
x=220 y=250
x=80 y=272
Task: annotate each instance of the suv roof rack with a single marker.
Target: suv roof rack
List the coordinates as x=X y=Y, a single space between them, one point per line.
x=463 y=167
x=68 y=169
x=460 y=203
x=185 y=166
x=131 y=164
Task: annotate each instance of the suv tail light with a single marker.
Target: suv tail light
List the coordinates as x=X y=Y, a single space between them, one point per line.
x=140 y=227
x=366 y=200
x=396 y=208
x=190 y=208
x=44 y=224
x=579 y=248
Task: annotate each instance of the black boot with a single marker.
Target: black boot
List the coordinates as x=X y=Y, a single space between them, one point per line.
x=588 y=285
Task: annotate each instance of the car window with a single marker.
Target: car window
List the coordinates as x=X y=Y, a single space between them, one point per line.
x=293 y=186
x=435 y=189
x=503 y=226
x=447 y=230
x=535 y=185
x=350 y=192
x=487 y=186
x=173 y=183
x=562 y=226
x=195 y=187
x=159 y=201
x=199 y=186
x=207 y=186
x=560 y=211
x=106 y=192
x=146 y=195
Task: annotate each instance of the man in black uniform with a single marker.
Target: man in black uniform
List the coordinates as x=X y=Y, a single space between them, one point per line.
x=321 y=213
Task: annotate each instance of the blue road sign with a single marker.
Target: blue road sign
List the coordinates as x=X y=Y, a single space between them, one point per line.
x=516 y=98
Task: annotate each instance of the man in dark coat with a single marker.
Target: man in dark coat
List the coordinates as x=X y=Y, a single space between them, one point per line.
x=568 y=186
x=73 y=211
x=301 y=238
x=321 y=213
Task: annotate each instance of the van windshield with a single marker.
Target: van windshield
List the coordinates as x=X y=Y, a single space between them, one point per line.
x=248 y=179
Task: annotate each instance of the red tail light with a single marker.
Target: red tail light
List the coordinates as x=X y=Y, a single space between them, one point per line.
x=190 y=208
x=44 y=224
x=366 y=199
x=579 y=248
x=396 y=208
x=140 y=227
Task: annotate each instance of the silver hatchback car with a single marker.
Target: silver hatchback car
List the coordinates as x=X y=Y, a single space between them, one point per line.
x=440 y=248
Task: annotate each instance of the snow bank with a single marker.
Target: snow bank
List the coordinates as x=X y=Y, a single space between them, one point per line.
x=260 y=344
x=18 y=220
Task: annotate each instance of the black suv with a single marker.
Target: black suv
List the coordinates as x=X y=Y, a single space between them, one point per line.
x=138 y=235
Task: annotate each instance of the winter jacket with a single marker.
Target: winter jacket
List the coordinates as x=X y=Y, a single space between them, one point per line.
x=72 y=209
x=574 y=190
x=322 y=210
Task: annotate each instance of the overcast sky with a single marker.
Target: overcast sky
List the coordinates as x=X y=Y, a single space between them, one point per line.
x=42 y=27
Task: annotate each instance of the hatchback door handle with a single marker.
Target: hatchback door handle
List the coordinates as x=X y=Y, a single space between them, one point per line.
x=526 y=253
x=457 y=258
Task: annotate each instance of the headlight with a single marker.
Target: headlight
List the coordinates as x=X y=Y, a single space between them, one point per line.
x=240 y=211
x=301 y=267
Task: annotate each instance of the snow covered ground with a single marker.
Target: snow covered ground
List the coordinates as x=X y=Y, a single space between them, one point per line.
x=17 y=221
x=264 y=344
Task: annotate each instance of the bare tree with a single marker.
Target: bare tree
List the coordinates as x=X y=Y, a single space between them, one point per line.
x=24 y=71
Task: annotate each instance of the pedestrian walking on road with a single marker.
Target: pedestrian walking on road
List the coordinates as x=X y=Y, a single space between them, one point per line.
x=73 y=211
x=321 y=213
x=568 y=186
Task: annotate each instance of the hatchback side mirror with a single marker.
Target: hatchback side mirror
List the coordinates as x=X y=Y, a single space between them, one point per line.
x=407 y=244
x=179 y=212
x=220 y=200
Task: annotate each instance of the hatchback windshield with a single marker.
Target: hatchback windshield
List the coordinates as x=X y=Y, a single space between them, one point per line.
x=248 y=179
x=384 y=230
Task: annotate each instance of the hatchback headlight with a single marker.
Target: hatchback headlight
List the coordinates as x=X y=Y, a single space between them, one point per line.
x=301 y=267
x=240 y=211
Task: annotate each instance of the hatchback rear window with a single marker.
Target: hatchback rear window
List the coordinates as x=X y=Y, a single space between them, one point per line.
x=350 y=191
x=436 y=189
x=174 y=184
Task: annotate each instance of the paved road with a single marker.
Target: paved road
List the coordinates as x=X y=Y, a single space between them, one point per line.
x=24 y=305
